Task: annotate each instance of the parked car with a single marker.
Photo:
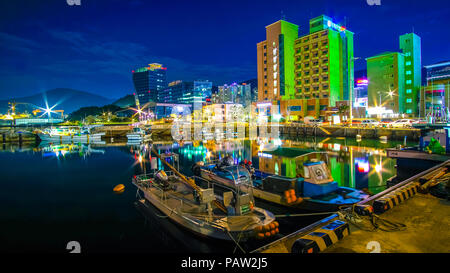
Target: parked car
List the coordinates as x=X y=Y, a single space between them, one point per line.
x=385 y=122
x=401 y=123
x=419 y=121
x=369 y=123
x=315 y=122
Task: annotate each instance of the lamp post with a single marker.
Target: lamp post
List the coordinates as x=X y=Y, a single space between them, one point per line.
x=352 y=87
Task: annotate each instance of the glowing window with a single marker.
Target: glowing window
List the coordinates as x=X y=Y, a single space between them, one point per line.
x=408 y=91
x=408 y=100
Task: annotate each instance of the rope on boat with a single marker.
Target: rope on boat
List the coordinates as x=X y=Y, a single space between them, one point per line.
x=237 y=244
x=138 y=195
x=370 y=222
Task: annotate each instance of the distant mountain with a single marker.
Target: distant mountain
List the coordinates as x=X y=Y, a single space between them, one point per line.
x=67 y=99
x=126 y=101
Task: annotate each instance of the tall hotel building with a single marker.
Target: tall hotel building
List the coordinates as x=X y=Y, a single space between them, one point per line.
x=149 y=81
x=276 y=63
x=315 y=70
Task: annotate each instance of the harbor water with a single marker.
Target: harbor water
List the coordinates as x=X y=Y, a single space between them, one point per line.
x=58 y=193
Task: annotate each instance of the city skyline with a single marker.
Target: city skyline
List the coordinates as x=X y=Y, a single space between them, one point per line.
x=94 y=46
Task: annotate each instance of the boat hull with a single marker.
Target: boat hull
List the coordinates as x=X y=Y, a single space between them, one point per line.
x=196 y=227
x=307 y=204
x=71 y=138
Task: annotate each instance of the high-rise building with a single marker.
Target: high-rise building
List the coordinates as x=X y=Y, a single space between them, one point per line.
x=435 y=95
x=181 y=92
x=178 y=92
x=253 y=89
x=275 y=62
x=438 y=73
x=202 y=91
x=316 y=70
x=235 y=93
x=411 y=48
x=395 y=79
x=323 y=68
x=386 y=78
x=148 y=81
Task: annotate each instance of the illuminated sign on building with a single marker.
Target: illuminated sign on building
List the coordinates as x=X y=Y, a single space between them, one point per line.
x=335 y=26
x=362 y=82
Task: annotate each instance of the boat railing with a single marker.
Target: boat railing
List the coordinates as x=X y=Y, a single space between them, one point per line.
x=212 y=184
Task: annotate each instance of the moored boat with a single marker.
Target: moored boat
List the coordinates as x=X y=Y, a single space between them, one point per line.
x=231 y=216
x=138 y=135
x=315 y=191
x=68 y=134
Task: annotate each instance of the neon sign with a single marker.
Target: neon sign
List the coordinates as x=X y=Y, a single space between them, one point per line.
x=335 y=26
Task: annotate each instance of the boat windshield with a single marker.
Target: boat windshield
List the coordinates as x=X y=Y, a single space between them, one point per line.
x=239 y=174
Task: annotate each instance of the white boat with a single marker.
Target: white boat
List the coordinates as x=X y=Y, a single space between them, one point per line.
x=192 y=207
x=67 y=134
x=138 y=135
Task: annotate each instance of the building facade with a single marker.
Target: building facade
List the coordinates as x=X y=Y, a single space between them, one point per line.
x=304 y=76
x=395 y=79
x=438 y=73
x=202 y=91
x=410 y=46
x=235 y=94
x=148 y=82
x=275 y=62
x=385 y=74
x=323 y=67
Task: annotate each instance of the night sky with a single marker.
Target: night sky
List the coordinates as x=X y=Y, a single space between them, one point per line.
x=93 y=47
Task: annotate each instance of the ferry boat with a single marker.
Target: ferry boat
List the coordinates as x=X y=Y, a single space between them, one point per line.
x=235 y=217
x=315 y=191
x=68 y=134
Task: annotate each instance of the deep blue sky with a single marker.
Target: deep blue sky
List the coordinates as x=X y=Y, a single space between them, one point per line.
x=94 y=47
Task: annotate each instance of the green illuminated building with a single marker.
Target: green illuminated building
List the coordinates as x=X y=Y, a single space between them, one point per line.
x=411 y=48
x=385 y=73
x=395 y=79
x=323 y=68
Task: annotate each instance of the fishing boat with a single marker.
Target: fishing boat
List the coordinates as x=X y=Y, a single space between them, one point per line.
x=231 y=217
x=315 y=191
x=138 y=135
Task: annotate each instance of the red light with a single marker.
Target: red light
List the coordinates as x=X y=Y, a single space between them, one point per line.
x=134 y=94
x=132 y=71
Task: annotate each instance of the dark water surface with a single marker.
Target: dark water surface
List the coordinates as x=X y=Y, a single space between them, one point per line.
x=53 y=194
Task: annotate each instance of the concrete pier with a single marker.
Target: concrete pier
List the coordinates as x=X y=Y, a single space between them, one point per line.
x=409 y=220
x=294 y=130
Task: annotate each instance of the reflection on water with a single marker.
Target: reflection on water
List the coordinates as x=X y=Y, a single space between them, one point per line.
x=60 y=193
